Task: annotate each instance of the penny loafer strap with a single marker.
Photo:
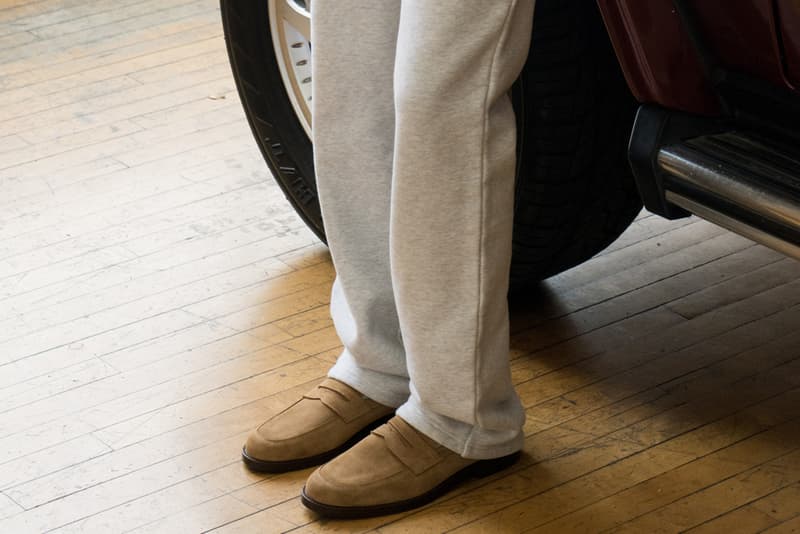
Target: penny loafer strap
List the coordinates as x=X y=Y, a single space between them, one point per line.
x=339 y=398
x=408 y=445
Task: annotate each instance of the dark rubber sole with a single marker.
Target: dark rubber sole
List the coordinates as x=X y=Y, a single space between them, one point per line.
x=480 y=469
x=264 y=466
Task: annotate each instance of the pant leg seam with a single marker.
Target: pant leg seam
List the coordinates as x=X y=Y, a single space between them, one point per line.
x=478 y=332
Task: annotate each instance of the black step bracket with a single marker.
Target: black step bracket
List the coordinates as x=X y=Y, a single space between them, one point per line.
x=654 y=128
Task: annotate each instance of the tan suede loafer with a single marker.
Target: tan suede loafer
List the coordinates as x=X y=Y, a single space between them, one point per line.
x=395 y=468
x=323 y=423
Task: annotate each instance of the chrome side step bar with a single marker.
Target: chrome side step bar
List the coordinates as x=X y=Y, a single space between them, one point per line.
x=735 y=225
x=742 y=182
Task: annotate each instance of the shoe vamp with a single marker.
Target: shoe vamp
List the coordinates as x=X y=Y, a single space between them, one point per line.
x=370 y=475
x=305 y=418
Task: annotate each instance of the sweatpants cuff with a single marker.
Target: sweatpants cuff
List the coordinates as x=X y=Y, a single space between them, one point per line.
x=389 y=390
x=467 y=440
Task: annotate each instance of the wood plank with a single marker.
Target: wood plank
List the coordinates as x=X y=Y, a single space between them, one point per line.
x=720 y=497
x=201 y=517
x=791 y=526
x=159 y=298
x=102 y=341
x=610 y=450
x=61 y=499
x=157 y=222
x=32 y=327
x=658 y=482
x=135 y=30
x=8 y=507
x=780 y=505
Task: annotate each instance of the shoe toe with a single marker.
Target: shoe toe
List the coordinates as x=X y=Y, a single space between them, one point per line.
x=260 y=448
x=312 y=430
x=323 y=491
x=393 y=469
x=366 y=475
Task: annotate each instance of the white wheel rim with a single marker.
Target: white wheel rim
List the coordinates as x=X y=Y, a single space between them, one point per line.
x=290 y=26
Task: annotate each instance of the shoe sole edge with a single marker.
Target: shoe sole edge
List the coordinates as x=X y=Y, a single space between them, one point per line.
x=479 y=469
x=282 y=466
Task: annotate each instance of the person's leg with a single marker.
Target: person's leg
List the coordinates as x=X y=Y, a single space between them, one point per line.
x=450 y=246
x=452 y=215
x=353 y=47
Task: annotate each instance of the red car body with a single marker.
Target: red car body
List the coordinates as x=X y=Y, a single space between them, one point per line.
x=760 y=38
x=718 y=132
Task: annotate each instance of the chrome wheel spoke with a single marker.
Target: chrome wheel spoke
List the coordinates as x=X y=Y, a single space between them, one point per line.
x=290 y=25
x=296 y=15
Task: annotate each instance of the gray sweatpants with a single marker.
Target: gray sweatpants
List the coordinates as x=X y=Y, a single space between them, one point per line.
x=414 y=139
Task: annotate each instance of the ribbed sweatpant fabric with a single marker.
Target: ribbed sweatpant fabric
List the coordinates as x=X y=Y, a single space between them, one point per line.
x=414 y=139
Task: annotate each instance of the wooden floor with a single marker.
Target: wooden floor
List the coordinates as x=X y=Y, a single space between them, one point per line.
x=159 y=298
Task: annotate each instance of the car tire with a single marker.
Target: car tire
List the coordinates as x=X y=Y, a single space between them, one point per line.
x=575 y=193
